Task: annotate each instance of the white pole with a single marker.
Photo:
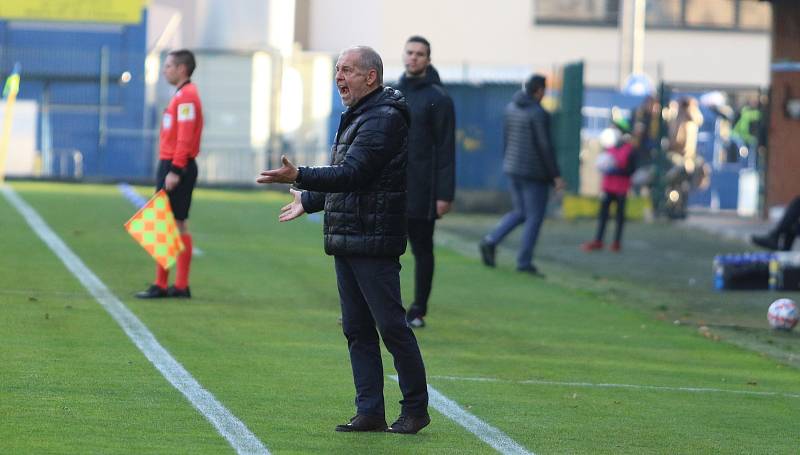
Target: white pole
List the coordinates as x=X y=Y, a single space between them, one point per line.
x=631 y=38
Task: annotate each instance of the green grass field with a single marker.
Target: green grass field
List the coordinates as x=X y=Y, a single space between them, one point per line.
x=563 y=368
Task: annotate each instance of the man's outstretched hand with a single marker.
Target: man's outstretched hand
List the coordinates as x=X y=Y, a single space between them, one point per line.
x=293 y=209
x=284 y=174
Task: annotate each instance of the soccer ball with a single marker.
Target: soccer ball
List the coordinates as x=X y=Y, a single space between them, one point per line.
x=782 y=314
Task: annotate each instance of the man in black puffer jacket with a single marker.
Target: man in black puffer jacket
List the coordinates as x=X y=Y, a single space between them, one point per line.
x=530 y=163
x=363 y=193
x=431 y=164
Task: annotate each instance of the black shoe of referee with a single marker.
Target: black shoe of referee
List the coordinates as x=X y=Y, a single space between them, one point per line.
x=172 y=291
x=153 y=292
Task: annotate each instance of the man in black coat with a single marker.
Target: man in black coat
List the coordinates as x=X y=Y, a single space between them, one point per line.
x=431 y=164
x=363 y=193
x=530 y=163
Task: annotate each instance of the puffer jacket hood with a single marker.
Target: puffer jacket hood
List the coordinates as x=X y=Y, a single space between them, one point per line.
x=385 y=96
x=522 y=99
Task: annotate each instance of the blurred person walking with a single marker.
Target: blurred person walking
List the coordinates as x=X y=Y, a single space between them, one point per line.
x=431 y=164
x=530 y=163
x=363 y=194
x=181 y=129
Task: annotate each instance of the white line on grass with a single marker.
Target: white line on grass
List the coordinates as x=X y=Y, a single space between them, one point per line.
x=231 y=428
x=487 y=433
x=621 y=386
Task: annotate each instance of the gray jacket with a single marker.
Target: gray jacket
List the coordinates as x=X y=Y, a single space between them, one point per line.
x=528 y=150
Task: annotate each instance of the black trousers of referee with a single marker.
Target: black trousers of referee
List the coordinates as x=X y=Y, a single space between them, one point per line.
x=369 y=293
x=180 y=198
x=420 y=236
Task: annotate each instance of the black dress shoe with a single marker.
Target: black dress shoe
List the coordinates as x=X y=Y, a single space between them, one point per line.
x=172 y=291
x=363 y=423
x=487 y=253
x=531 y=270
x=153 y=292
x=768 y=241
x=409 y=424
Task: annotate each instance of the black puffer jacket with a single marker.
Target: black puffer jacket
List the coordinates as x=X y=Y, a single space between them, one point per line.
x=528 y=147
x=431 y=144
x=363 y=191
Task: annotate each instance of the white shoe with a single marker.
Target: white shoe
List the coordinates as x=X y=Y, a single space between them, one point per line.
x=416 y=323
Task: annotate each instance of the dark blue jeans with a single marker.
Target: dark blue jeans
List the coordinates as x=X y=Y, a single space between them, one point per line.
x=529 y=199
x=369 y=293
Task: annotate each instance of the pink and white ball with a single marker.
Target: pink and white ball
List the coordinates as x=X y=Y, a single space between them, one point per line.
x=605 y=162
x=783 y=314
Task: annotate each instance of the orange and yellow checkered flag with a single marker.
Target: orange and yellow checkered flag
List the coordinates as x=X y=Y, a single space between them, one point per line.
x=153 y=226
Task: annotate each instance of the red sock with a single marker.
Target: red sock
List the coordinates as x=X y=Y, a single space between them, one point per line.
x=162 y=275
x=184 y=263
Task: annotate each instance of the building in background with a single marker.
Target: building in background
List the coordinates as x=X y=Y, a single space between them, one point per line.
x=689 y=43
x=263 y=95
x=783 y=136
x=92 y=92
x=82 y=85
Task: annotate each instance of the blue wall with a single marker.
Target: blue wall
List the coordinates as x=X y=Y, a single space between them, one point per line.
x=479 y=134
x=61 y=65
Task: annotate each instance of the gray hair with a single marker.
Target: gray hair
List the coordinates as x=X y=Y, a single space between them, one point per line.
x=368 y=59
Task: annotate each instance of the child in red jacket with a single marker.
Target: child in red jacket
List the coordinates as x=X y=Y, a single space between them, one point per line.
x=617 y=167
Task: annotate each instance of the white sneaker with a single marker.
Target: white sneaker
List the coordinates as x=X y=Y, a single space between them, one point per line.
x=416 y=323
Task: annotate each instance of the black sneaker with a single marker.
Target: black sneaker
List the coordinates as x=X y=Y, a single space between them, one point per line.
x=363 y=423
x=487 y=253
x=788 y=241
x=153 y=292
x=531 y=270
x=767 y=241
x=172 y=291
x=409 y=424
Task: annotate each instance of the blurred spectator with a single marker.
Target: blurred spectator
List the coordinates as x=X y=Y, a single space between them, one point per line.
x=683 y=131
x=747 y=124
x=645 y=122
x=688 y=170
x=782 y=236
x=530 y=163
x=617 y=163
